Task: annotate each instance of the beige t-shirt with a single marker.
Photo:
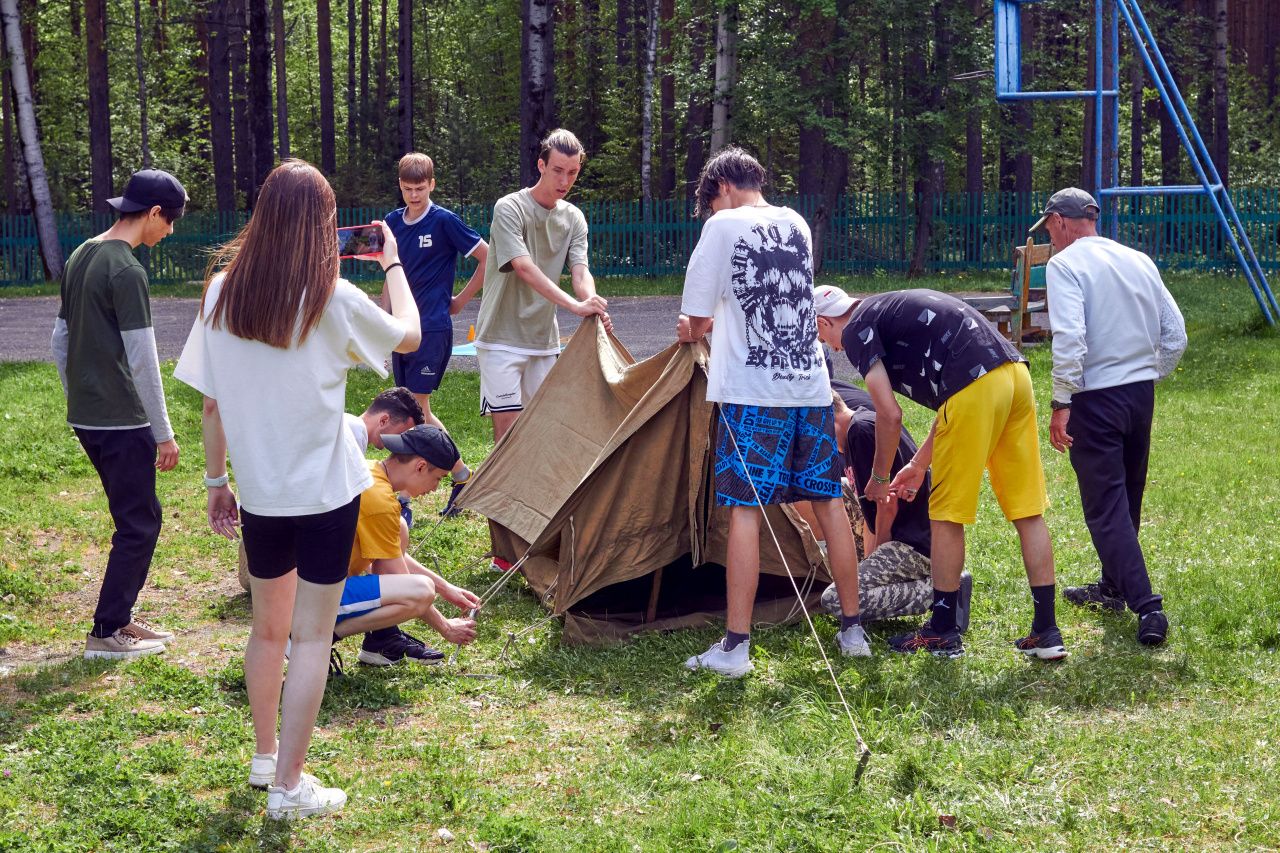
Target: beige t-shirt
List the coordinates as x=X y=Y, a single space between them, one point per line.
x=513 y=316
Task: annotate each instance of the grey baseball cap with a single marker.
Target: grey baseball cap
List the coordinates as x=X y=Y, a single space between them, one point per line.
x=1070 y=203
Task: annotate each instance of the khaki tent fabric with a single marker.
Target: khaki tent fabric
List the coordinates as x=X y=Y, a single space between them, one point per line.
x=605 y=478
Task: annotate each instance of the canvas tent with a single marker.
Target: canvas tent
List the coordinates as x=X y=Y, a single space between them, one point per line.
x=605 y=480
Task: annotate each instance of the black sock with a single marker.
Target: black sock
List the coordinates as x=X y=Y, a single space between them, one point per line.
x=943 y=619
x=1042 y=598
x=732 y=639
x=381 y=635
x=847 y=621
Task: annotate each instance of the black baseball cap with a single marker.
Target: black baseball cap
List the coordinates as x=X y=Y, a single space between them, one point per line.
x=1069 y=203
x=431 y=443
x=148 y=188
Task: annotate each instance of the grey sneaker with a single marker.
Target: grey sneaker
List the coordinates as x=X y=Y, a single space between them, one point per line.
x=734 y=664
x=853 y=642
x=309 y=798
x=122 y=645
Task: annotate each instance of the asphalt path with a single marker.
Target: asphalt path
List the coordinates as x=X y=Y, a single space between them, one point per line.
x=645 y=324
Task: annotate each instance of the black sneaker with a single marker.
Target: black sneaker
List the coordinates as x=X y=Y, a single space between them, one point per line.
x=427 y=651
x=1093 y=595
x=450 y=510
x=1045 y=645
x=395 y=650
x=335 y=664
x=925 y=639
x=1153 y=628
x=962 y=602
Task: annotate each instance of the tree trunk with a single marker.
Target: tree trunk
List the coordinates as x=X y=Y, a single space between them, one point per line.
x=218 y=91
x=927 y=94
x=238 y=58
x=667 y=105
x=405 y=68
x=6 y=104
x=260 y=93
x=593 y=59
x=537 y=82
x=973 y=163
x=1137 y=81
x=1221 y=138
x=726 y=76
x=324 y=46
x=140 y=64
x=380 y=108
x=352 y=120
x=76 y=33
x=646 y=126
x=365 y=23
x=282 y=84
x=99 y=104
x=33 y=158
x=698 y=113
x=622 y=37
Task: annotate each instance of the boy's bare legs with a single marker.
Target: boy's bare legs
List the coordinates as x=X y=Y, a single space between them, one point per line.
x=842 y=555
x=502 y=423
x=404 y=597
x=742 y=575
x=1037 y=549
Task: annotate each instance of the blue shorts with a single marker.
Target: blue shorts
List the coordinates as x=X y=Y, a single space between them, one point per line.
x=790 y=455
x=360 y=594
x=422 y=370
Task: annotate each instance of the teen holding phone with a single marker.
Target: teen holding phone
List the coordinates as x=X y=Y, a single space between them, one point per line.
x=270 y=349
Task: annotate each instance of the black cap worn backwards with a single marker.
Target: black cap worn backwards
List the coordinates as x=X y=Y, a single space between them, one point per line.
x=148 y=188
x=431 y=443
x=1069 y=203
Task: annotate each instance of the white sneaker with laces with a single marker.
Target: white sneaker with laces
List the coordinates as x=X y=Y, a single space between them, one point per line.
x=853 y=642
x=307 y=799
x=262 y=770
x=734 y=664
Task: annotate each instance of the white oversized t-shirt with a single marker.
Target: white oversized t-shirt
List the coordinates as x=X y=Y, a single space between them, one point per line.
x=752 y=271
x=283 y=409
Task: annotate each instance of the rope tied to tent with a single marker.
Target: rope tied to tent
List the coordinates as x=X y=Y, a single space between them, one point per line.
x=864 y=751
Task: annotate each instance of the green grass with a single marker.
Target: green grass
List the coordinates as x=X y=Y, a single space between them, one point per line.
x=619 y=749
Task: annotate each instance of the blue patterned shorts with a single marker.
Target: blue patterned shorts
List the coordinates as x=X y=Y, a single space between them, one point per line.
x=790 y=455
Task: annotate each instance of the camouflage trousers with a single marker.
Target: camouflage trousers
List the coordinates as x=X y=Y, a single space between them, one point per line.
x=893 y=581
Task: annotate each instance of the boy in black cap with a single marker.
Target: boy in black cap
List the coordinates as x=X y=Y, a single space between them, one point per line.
x=105 y=350
x=397 y=587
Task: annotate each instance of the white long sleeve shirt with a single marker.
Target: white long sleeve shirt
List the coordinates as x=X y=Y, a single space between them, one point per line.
x=1114 y=322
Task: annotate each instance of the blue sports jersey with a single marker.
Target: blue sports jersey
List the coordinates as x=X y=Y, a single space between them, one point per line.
x=429 y=250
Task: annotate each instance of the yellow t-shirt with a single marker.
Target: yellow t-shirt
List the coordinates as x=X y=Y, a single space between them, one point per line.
x=378 y=528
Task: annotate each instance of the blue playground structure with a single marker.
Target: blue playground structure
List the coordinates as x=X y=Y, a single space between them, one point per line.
x=1106 y=106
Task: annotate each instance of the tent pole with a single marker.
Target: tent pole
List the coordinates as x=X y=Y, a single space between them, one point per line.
x=651 y=613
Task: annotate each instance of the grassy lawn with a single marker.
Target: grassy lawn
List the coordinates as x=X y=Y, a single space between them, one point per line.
x=620 y=749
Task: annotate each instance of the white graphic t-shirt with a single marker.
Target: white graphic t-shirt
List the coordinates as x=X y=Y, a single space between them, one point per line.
x=752 y=271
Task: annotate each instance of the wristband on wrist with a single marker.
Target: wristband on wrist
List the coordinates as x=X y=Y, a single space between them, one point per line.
x=1055 y=405
x=216 y=482
x=877 y=478
x=389 y=267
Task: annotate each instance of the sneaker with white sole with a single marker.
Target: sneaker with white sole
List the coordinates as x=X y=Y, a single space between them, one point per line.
x=1044 y=645
x=122 y=645
x=144 y=630
x=733 y=664
x=307 y=799
x=853 y=642
x=262 y=770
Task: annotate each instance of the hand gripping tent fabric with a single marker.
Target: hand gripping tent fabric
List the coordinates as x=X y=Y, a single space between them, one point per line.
x=604 y=488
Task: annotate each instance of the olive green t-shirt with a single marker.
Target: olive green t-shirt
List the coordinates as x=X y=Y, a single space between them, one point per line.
x=514 y=316
x=104 y=293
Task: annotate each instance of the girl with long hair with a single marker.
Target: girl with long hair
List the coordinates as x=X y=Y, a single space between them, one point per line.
x=270 y=349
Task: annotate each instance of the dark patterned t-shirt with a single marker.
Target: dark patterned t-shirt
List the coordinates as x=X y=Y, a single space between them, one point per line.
x=931 y=344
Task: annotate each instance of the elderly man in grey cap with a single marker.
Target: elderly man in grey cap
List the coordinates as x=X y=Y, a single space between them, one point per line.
x=1116 y=332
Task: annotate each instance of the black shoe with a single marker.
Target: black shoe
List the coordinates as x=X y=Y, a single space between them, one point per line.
x=1092 y=595
x=450 y=510
x=395 y=650
x=335 y=664
x=427 y=651
x=962 y=602
x=1153 y=628
x=924 y=639
x=1045 y=645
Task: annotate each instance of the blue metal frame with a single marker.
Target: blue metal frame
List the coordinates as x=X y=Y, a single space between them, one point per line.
x=1106 y=124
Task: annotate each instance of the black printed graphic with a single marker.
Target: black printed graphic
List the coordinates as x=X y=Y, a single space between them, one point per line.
x=773 y=282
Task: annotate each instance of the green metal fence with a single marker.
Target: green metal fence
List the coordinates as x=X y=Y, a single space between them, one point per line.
x=863 y=232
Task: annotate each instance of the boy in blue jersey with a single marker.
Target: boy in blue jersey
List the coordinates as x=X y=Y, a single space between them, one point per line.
x=431 y=238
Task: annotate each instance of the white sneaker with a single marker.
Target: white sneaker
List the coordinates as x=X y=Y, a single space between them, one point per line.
x=853 y=642
x=734 y=664
x=309 y=798
x=262 y=770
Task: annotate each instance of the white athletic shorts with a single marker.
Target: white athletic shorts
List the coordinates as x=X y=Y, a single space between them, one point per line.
x=509 y=380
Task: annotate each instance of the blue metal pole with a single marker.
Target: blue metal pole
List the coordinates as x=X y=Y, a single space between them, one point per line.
x=1168 y=91
x=1114 y=228
x=1098 y=83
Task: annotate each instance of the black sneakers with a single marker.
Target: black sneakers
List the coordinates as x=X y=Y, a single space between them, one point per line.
x=1153 y=628
x=925 y=639
x=393 y=650
x=1045 y=645
x=1093 y=595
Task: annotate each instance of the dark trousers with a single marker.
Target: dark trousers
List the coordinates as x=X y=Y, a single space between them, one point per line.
x=126 y=463
x=1111 y=437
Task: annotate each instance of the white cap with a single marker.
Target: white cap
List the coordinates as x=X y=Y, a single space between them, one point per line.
x=830 y=301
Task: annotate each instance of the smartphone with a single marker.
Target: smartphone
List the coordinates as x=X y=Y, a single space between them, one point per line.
x=359 y=240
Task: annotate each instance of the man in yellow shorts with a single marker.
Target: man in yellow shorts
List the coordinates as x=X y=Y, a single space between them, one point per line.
x=942 y=354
